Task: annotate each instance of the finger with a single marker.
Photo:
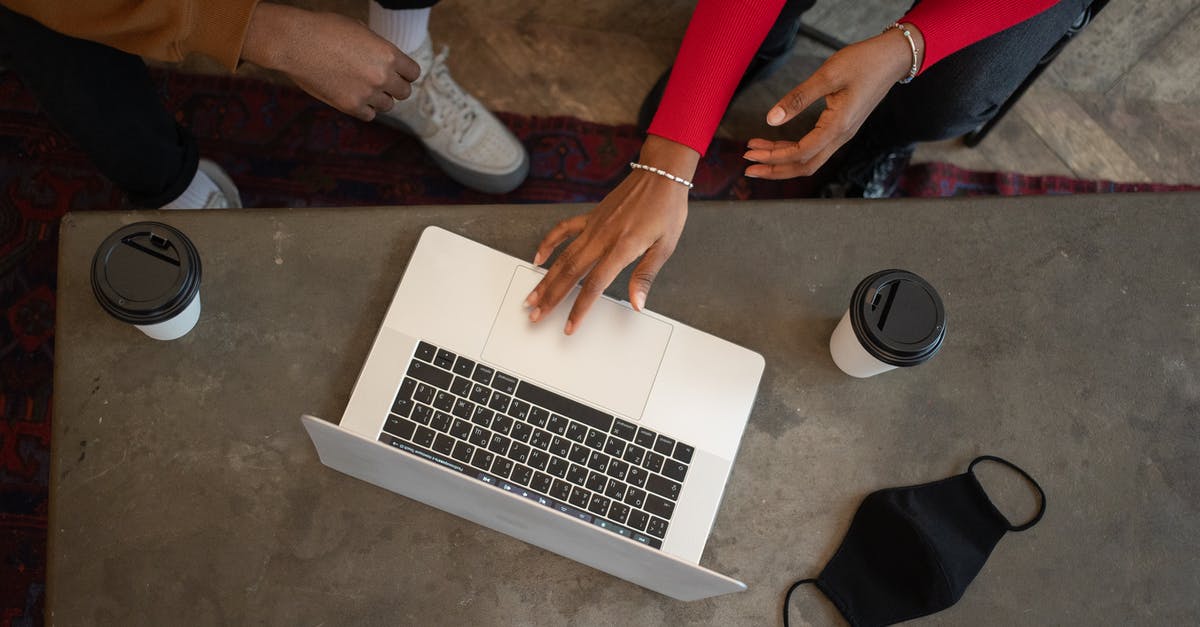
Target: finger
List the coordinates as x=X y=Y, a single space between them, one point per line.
x=646 y=271
x=560 y=233
x=380 y=102
x=762 y=144
x=800 y=98
x=408 y=69
x=366 y=113
x=398 y=88
x=792 y=169
x=575 y=262
x=808 y=147
x=601 y=276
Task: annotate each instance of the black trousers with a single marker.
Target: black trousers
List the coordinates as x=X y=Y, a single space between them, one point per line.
x=104 y=100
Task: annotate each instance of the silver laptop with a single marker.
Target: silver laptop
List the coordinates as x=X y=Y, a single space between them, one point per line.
x=611 y=446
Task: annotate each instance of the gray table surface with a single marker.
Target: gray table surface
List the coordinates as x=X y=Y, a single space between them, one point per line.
x=184 y=490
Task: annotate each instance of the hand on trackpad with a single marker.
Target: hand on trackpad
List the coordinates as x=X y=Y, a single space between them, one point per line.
x=609 y=362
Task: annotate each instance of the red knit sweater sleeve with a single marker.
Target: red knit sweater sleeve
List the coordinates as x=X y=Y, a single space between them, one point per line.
x=717 y=47
x=951 y=25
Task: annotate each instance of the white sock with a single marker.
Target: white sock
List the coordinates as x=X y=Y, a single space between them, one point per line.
x=405 y=28
x=196 y=195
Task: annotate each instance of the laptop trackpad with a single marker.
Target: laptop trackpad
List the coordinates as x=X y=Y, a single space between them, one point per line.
x=610 y=361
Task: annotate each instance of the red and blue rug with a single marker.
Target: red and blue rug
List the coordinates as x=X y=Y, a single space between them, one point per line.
x=286 y=150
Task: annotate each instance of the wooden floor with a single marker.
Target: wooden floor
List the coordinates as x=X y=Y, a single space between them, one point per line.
x=1122 y=102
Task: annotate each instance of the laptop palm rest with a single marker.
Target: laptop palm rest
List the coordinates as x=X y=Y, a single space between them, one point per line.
x=511 y=514
x=610 y=361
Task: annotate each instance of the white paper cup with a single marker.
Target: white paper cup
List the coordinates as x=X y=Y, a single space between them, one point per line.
x=895 y=320
x=148 y=274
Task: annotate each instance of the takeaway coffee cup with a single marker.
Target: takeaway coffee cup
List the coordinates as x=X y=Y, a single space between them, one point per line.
x=148 y=274
x=895 y=319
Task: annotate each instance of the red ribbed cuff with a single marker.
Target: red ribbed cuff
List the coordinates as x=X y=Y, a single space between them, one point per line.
x=951 y=25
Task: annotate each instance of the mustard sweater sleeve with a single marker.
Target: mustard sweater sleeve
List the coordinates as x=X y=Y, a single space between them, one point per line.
x=167 y=30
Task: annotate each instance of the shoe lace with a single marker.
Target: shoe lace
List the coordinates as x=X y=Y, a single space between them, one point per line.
x=216 y=200
x=444 y=101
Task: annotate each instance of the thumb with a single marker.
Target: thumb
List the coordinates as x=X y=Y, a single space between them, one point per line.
x=800 y=98
x=646 y=271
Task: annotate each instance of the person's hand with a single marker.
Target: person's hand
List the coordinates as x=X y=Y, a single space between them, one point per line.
x=641 y=217
x=335 y=59
x=852 y=81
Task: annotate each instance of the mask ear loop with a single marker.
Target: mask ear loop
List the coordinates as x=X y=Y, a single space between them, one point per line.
x=787 y=599
x=1041 y=494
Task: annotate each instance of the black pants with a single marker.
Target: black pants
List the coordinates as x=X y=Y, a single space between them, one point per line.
x=104 y=100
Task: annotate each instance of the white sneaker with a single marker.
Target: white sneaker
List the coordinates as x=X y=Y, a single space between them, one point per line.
x=226 y=196
x=465 y=139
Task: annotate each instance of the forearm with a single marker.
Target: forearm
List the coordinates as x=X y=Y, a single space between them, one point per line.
x=951 y=25
x=669 y=155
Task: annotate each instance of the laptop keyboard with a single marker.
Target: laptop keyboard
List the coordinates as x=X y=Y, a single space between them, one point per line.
x=538 y=444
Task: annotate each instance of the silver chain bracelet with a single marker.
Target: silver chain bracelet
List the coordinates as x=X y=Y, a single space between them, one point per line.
x=678 y=179
x=912 y=72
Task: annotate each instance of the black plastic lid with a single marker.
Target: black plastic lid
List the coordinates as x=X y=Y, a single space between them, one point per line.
x=146 y=273
x=898 y=317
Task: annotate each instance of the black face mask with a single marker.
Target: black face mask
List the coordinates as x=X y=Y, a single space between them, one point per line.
x=911 y=551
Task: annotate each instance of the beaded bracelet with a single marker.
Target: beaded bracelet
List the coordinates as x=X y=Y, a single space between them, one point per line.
x=678 y=179
x=912 y=72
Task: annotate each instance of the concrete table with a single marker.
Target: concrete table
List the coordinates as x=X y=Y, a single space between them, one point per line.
x=184 y=490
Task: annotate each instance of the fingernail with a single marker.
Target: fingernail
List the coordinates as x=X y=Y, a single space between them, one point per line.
x=535 y=314
x=570 y=327
x=531 y=300
x=775 y=116
x=639 y=301
x=747 y=157
x=538 y=259
x=752 y=175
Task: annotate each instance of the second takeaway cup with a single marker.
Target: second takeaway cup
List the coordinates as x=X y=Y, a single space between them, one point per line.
x=895 y=319
x=148 y=274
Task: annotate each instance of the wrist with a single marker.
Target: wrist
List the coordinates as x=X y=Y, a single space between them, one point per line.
x=670 y=156
x=904 y=55
x=266 y=32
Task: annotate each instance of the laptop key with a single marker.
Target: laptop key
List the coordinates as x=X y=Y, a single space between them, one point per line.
x=461 y=387
x=424 y=436
x=624 y=430
x=557 y=424
x=576 y=431
x=444 y=401
x=463 y=408
x=391 y=440
x=440 y=421
x=560 y=446
x=614 y=446
x=399 y=427
x=499 y=445
x=580 y=497
x=653 y=461
x=483 y=374
x=463 y=366
x=502 y=467
x=502 y=423
x=482 y=416
x=595 y=439
x=683 y=453
x=617 y=469
x=480 y=394
x=402 y=407
x=539 y=459
x=577 y=474
x=558 y=467
x=460 y=429
x=444 y=359
x=615 y=490
x=407 y=386
x=618 y=512
x=538 y=416
x=659 y=506
x=504 y=382
x=521 y=432
x=540 y=439
x=579 y=454
x=637 y=476
x=563 y=405
x=482 y=459
x=635 y=497
x=657 y=527
x=598 y=505
x=519 y=409
x=519 y=452
x=443 y=444
x=597 y=461
x=424 y=393
x=463 y=452
x=522 y=474
x=663 y=486
x=541 y=482
x=638 y=520
x=561 y=490
x=422 y=414
x=425 y=351
x=433 y=376
x=499 y=401
x=596 y=482
x=480 y=436
x=634 y=454
x=645 y=437
x=675 y=469
x=664 y=445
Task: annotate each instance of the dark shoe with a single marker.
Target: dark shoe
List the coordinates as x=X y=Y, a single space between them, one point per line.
x=871 y=177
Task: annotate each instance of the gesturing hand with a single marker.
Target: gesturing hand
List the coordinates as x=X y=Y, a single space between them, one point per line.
x=642 y=217
x=852 y=81
x=335 y=59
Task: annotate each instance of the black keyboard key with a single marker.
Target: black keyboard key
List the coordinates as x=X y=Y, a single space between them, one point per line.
x=403 y=407
x=683 y=453
x=480 y=436
x=598 y=461
x=617 y=469
x=463 y=408
x=577 y=474
x=504 y=382
x=663 y=487
x=595 y=439
x=519 y=452
x=615 y=490
x=464 y=366
x=502 y=467
x=425 y=352
x=645 y=438
x=391 y=440
x=637 y=476
x=443 y=444
x=541 y=482
x=502 y=423
x=576 y=431
x=614 y=446
x=461 y=429
x=675 y=469
x=561 y=490
x=519 y=409
x=407 y=386
x=659 y=506
x=399 y=427
x=638 y=520
x=560 y=446
x=563 y=405
x=618 y=512
x=664 y=445
x=461 y=386
x=557 y=424
x=482 y=459
x=424 y=437
x=580 y=497
x=635 y=497
x=521 y=432
x=624 y=430
x=433 y=376
x=482 y=416
x=424 y=393
x=499 y=445
x=596 y=482
x=540 y=460
x=657 y=527
x=422 y=414
x=579 y=454
x=653 y=461
x=483 y=374
x=480 y=394
x=634 y=454
x=463 y=452
x=599 y=505
x=444 y=401
x=522 y=474
x=444 y=359
x=540 y=439
x=558 y=467
x=440 y=421
x=499 y=401
x=538 y=417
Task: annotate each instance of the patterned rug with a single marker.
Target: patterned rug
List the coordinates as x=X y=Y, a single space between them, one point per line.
x=286 y=150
